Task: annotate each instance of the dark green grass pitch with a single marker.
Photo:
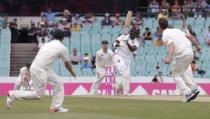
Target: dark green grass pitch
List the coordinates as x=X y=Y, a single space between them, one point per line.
x=106 y=108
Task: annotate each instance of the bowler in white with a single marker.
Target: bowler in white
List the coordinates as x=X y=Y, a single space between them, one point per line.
x=180 y=49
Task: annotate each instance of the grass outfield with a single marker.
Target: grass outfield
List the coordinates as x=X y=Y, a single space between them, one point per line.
x=106 y=108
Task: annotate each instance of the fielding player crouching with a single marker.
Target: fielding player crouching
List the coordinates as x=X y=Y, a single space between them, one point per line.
x=125 y=45
x=104 y=57
x=24 y=82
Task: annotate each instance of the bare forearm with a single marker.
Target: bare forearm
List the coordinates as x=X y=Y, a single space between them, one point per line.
x=131 y=48
x=192 y=39
x=69 y=67
x=171 y=51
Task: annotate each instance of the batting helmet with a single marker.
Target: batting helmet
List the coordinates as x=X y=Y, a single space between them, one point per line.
x=135 y=31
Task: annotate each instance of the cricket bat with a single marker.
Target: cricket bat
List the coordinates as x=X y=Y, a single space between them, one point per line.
x=128 y=22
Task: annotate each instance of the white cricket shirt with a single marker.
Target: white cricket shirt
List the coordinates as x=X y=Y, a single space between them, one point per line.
x=181 y=43
x=123 y=50
x=104 y=59
x=49 y=53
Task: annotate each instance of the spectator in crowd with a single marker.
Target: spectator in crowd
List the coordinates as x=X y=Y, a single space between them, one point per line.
x=186 y=8
x=50 y=15
x=93 y=62
x=158 y=78
x=42 y=36
x=117 y=20
x=207 y=36
x=75 y=58
x=55 y=27
x=76 y=20
x=176 y=9
x=86 y=61
x=91 y=17
x=193 y=66
x=67 y=32
x=199 y=7
x=154 y=7
x=192 y=7
x=76 y=23
x=158 y=36
x=138 y=21
x=63 y=24
x=44 y=20
x=14 y=30
x=163 y=14
x=67 y=15
x=32 y=32
x=192 y=32
x=165 y=5
x=86 y=22
x=147 y=34
x=208 y=10
x=106 y=20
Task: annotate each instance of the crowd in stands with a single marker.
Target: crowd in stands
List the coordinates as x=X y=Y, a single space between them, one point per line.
x=38 y=32
x=198 y=8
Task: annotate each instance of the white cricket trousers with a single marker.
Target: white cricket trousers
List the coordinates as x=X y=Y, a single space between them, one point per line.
x=181 y=73
x=97 y=82
x=123 y=66
x=40 y=78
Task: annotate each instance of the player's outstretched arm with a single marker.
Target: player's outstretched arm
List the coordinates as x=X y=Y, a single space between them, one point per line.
x=69 y=68
x=193 y=41
x=171 y=54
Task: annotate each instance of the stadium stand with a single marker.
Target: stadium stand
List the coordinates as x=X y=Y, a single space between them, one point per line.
x=5 y=44
x=89 y=37
x=148 y=56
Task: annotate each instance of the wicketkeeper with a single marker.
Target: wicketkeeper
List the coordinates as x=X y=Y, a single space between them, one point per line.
x=104 y=57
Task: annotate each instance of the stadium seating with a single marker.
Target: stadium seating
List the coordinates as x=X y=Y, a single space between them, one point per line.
x=148 y=56
x=89 y=38
x=5 y=45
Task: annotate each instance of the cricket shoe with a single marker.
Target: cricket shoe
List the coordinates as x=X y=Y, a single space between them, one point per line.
x=61 y=109
x=190 y=97
x=10 y=100
x=195 y=92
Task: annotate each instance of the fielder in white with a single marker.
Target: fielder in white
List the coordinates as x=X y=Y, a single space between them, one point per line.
x=180 y=46
x=23 y=82
x=42 y=74
x=104 y=57
x=125 y=45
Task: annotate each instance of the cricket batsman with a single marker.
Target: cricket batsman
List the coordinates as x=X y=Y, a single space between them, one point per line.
x=41 y=74
x=104 y=57
x=125 y=46
x=23 y=82
x=180 y=48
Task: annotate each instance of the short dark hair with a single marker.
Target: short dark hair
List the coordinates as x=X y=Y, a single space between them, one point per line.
x=163 y=23
x=58 y=34
x=28 y=65
x=147 y=28
x=104 y=42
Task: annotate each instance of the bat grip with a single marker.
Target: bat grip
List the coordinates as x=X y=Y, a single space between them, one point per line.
x=126 y=30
